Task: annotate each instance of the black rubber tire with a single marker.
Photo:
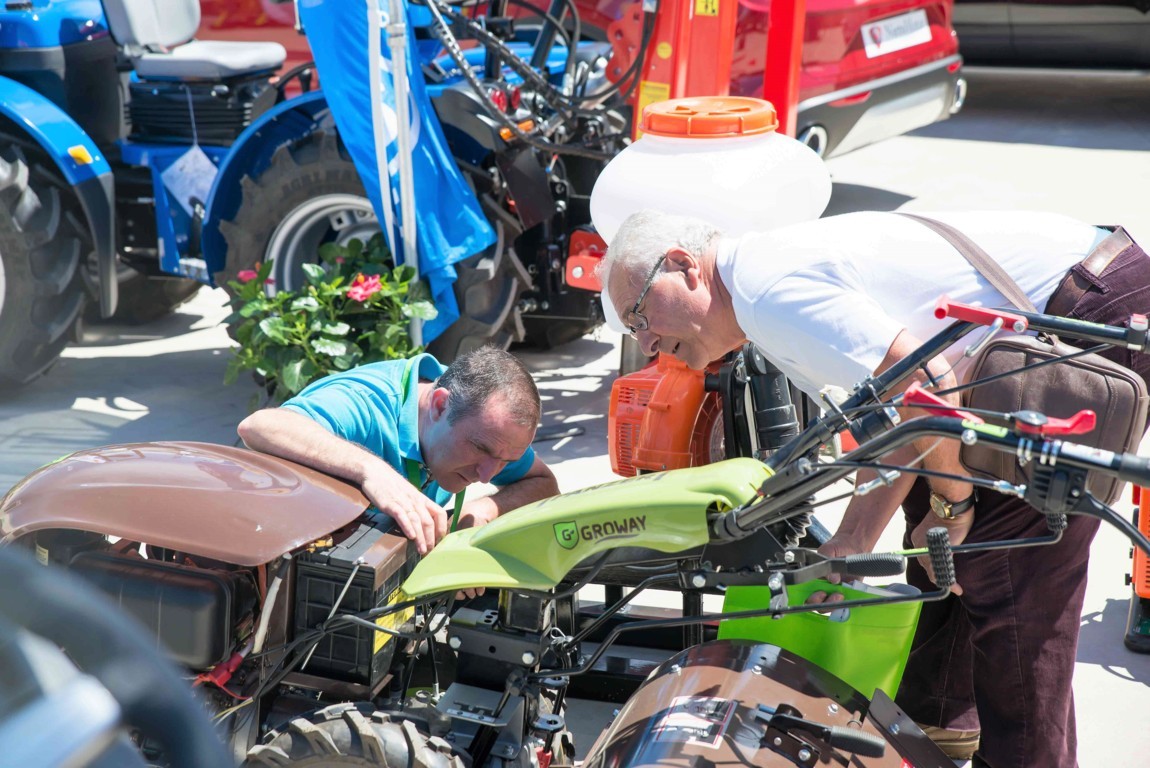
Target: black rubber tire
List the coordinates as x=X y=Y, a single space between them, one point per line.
x=487 y=289
x=489 y=283
x=546 y=334
x=353 y=735
x=44 y=243
x=145 y=298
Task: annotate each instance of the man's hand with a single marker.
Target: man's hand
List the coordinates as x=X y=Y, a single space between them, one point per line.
x=839 y=545
x=421 y=519
x=958 y=528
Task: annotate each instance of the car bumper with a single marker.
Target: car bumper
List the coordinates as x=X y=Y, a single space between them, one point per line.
x=838 y=122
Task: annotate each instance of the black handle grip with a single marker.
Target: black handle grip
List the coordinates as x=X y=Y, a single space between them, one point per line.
x=874 y=564
x=1134 y=469
x=855 y=741
x=941 y=558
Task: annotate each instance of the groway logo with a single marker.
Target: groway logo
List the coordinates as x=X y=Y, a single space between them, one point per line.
x=570 y=533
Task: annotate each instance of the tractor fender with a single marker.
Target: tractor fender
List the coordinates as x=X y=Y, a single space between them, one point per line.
x=250 y=154
x=81 y=163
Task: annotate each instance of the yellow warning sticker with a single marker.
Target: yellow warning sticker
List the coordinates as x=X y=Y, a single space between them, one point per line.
x=392 y=621
x=706 y=7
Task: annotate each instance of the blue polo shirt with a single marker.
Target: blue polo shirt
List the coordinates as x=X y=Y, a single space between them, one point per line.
x=366 y=406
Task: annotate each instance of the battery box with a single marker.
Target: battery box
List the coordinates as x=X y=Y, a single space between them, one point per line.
x=354 y=653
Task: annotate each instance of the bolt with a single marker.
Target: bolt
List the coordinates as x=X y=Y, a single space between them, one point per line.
x=577 y=271
x=775 y=581
x=968 y=437
x=455 y=642
x=894 y=729
x=698 y=581
x=833 y=708
x=529 y=658
x=757 y=669
x=804 y=754
x=788 y=557
x=777 y=742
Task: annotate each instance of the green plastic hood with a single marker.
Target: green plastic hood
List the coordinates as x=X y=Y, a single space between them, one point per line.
x=535 y=546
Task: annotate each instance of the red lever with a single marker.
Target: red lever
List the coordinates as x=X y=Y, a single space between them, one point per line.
x=981 y=315
x=916 y=395
x=1045 y=426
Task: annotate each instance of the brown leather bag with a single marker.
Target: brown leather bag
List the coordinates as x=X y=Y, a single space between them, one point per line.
x=1115 y=393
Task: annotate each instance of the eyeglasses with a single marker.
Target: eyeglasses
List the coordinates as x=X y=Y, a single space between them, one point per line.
x=635 y=320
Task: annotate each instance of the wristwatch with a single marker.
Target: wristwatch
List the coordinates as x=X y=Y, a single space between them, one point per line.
x=948 y=510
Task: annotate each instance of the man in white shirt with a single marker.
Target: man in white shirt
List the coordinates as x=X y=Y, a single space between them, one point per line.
x=834 y=300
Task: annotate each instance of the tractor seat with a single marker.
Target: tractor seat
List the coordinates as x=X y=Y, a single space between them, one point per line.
x=210 y=60
x=157 y=35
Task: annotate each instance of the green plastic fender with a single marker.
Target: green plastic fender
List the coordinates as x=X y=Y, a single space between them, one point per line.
x=535 y=546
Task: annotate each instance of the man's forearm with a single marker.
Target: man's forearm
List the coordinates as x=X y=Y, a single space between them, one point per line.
x=866 y=517
x=297 y=438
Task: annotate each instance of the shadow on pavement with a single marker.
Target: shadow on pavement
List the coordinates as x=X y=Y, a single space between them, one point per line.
x=1100 y=643
x=1061 y=109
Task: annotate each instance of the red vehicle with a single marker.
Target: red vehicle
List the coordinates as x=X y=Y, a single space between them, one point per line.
x=871 y=69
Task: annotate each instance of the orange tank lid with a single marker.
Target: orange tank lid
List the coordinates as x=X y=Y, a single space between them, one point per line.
x=709 y=117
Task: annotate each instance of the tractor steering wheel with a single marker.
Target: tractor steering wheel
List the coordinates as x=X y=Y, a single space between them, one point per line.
x=133 y=677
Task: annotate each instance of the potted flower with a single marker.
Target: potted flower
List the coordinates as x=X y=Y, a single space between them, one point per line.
x=355 y=307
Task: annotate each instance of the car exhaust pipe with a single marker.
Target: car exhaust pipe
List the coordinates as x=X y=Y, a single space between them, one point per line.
x=815 y=137
x=959 y=95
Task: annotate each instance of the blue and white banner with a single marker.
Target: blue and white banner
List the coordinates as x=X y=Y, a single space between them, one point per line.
x=450 y=226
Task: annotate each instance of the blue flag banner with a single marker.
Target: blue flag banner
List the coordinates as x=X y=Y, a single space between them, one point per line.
x=450 y=226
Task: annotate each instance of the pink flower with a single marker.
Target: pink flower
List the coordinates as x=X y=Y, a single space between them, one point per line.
x=362 y=288
x=246 y=275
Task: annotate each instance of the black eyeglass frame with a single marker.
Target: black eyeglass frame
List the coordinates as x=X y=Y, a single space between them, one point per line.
x=635 y=320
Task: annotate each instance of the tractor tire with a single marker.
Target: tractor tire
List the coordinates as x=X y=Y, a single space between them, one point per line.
x=44 y=244
x=145 y=298
x=487 y=289
x=545 y=333
x=353 y=735
x=311 y=194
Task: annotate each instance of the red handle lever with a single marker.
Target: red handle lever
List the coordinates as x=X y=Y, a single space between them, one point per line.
x=916 y=395
x=981 y=315
x=1044 y=426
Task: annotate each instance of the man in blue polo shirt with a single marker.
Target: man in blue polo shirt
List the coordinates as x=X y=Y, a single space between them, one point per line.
x=411 y=433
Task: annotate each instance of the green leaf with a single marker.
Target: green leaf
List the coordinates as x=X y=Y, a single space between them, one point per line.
x=293 y=376
x=335 y=329
x=305 y=304
x=273 y=328
x=423 y=310
x=315 y=273
x=333 y=347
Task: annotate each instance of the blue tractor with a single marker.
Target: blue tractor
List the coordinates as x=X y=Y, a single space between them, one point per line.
x=138 y=163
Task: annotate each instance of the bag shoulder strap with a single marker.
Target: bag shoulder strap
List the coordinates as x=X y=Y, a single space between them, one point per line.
x=979 y=259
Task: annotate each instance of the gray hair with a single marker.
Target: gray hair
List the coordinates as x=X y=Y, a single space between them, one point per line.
x=475 y=376
x=648 y=234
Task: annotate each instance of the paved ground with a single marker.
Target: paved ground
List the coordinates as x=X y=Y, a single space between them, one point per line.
x=1077 y=145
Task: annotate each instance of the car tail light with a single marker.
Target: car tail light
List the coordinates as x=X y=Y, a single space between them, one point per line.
x=849 y=101
x=953 y=67
x=515 y=97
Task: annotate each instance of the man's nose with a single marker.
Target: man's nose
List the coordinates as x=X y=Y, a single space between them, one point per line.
x=648 y=342
x=487 y=469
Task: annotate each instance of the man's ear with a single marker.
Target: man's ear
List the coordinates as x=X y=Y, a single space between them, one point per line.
x=437 y=403
x=681 y=260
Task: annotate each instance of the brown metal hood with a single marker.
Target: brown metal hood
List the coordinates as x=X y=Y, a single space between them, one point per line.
x=216 y=501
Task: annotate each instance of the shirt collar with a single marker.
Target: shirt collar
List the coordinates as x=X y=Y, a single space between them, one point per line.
x=423 y=366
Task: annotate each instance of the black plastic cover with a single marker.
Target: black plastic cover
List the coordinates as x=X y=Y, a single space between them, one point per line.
x=192 y=612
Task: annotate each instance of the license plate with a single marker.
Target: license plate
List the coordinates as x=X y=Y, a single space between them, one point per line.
x=895 y=33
